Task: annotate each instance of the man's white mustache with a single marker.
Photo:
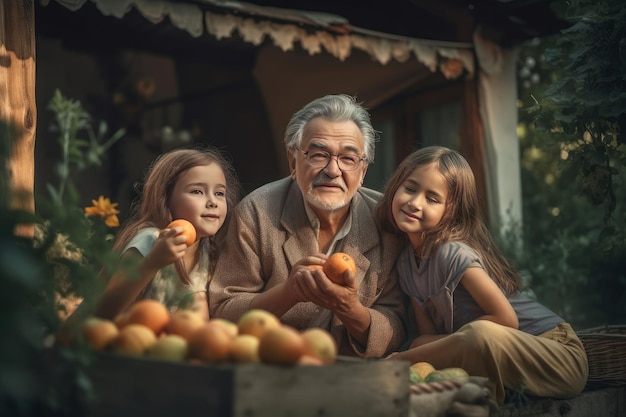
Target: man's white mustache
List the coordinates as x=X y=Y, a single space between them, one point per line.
x=327 y=181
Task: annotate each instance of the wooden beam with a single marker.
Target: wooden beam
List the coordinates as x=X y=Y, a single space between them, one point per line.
x=18 y=110
x=472 y=144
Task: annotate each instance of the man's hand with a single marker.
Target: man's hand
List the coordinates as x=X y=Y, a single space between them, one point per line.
x=309 y=282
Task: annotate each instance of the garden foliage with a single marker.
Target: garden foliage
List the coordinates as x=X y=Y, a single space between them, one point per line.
x=573 y=146
x=41 y=274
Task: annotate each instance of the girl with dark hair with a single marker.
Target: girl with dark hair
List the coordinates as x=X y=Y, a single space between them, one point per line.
x=466 y=297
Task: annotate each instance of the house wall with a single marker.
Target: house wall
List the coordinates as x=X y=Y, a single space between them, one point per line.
x=161 y=103
x=243 y=112
x=105 y=86
x=164 y=102
x=290 y=80
x=76 y=76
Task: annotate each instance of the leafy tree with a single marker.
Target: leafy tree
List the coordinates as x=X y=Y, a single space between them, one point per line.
x=572 y=122
x=585 y=107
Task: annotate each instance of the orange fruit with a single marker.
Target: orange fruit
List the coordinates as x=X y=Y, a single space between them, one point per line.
x=150 y=313
x=337 y=264
x=231 y=328
x=134 y=340
x=256 y=322
x=99 y=333
x=320 y=344
x=422 y=370
x=183 y=322
x=188 y=230
x=169 y=347
x=282 y=345
x=245 y=349
x=210 y=343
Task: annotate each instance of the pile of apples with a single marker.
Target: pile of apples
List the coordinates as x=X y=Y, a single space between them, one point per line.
x=149 y=329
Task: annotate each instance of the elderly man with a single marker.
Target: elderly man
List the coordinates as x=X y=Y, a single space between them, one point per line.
x=282 y=228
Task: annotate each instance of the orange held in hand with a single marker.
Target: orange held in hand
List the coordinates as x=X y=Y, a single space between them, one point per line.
x=337 y=264
x=188 y=230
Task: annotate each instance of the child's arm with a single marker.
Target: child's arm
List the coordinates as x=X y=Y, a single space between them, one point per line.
x=489 y=297
x=426 y=333
x=425 y=328
x=122 y=290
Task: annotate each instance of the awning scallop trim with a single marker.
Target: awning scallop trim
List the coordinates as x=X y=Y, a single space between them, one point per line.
x=315 y=31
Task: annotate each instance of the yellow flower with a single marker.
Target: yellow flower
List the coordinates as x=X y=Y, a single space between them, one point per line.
x=105 y=209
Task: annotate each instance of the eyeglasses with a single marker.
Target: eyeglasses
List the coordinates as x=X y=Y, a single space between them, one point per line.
x=321 y=159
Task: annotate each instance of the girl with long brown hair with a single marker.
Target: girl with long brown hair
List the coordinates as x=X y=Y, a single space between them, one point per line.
x=466 y=298
x=198 y=185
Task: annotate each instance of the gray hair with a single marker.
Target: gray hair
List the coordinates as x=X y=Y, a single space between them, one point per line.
x=336 y=108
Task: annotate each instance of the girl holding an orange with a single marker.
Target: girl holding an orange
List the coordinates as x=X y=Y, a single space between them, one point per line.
x=195 y=187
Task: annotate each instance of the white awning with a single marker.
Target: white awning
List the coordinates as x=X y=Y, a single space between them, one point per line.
x=315 y=31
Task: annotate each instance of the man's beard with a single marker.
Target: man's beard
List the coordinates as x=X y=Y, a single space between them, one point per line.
x=318 y=203
x=315 y=201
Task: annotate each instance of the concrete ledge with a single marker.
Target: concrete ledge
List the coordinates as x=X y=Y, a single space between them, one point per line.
x=605 y=402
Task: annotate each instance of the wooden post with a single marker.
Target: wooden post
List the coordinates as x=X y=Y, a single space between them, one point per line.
x=18 y=110
x=472 y=146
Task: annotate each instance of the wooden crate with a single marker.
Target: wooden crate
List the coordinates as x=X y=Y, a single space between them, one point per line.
x=131 y=387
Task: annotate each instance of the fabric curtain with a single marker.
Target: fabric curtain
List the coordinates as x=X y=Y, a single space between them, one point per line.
x=497 y=95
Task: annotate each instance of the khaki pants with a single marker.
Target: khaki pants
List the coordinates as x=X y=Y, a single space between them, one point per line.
x=553 y=364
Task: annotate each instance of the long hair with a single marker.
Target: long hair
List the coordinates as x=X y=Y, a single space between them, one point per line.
x=336 y=108
x=463 y=219
x=151 y=207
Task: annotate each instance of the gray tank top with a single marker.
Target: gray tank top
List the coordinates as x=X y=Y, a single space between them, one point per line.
x=434 y=285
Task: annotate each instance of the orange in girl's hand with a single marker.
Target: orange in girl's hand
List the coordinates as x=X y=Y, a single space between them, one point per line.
x=337 y=264
x=188 y=230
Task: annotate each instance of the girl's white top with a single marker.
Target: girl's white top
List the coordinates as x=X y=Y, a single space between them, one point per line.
x=166 y=285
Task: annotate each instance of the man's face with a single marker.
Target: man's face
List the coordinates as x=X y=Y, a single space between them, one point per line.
x=328 y=188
